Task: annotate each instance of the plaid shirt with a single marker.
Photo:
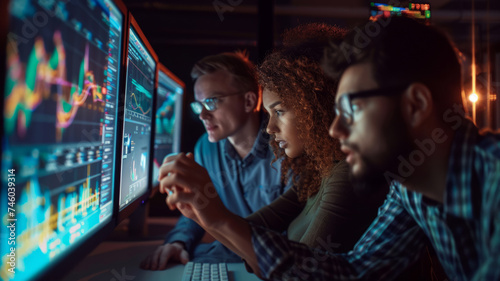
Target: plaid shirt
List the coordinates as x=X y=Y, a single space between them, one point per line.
x=464 y=230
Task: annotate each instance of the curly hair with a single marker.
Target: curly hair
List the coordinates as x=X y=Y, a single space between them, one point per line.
x=294 y=73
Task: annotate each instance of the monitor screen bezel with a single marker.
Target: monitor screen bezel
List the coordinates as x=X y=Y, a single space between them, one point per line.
x=140 y=200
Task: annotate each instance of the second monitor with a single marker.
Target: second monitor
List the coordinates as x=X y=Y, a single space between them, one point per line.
x=137 y=118
x=169 y=94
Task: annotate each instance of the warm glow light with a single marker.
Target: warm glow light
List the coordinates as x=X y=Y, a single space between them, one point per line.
x=473 y=97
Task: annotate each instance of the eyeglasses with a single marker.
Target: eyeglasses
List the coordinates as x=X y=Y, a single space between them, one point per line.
x=344 y=110
x=209 y=104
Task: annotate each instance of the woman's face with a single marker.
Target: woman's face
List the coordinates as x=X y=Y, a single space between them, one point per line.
x=282 y=124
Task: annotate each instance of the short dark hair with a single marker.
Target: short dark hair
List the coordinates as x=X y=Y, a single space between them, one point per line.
x=402 y=51
x=236 y=63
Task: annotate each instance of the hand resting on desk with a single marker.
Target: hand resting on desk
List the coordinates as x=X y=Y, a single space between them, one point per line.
x=170 y=252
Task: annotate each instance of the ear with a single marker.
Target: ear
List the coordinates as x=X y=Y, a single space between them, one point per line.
x=251 y=100
x=417 y=104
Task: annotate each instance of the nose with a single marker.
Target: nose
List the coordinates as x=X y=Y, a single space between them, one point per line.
x=271 y=126
x=204 y=114
x=338 y=129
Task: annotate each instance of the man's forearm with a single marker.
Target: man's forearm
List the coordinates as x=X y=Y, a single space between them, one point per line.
x=186 y=231
x=235 y=233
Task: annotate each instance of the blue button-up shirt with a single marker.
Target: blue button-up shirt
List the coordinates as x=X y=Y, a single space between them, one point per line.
x=244 y=185
x=464 y=230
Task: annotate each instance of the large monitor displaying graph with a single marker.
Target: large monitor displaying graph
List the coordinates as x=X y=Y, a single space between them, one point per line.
x=138 y=113
x=169 y=94
x=59 y=133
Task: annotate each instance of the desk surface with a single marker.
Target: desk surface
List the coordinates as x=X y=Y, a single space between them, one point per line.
x=120 y=261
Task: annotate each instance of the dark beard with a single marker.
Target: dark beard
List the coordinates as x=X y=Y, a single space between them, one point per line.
x=374 y=181
x=371 y=184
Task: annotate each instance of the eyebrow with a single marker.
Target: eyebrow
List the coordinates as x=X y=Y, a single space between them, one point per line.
x=275 y=104
x=213 y=95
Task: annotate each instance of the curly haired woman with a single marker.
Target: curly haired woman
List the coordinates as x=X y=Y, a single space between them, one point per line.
x=321 y=209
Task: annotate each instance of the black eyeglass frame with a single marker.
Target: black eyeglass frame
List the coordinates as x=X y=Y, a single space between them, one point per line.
x=343 y=108
x=210 y=104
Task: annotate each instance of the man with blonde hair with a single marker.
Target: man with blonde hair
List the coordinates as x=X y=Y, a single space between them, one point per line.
x=234 y=150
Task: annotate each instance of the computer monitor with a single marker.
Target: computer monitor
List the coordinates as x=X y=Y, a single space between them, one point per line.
x=168 y=117
x=59 y=133
x=138 y=104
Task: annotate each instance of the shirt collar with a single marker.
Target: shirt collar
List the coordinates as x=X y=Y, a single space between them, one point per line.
x=260 y=146
x=459 y=183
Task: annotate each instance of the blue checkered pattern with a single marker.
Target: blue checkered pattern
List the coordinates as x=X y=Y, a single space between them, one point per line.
x=464 y=230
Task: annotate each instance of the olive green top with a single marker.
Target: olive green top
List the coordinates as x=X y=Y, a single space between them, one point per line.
x=333 y=219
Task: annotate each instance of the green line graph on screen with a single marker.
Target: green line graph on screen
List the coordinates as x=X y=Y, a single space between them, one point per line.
x=140 y=99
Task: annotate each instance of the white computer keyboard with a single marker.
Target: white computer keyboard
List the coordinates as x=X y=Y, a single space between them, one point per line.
x=195 y=271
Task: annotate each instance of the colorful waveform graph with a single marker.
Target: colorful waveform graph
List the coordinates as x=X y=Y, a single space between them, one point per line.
x=43 y=78
x=140 y=100
x=67 y=109
x=49 y=221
